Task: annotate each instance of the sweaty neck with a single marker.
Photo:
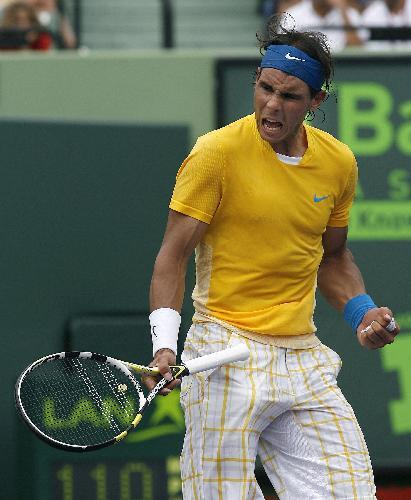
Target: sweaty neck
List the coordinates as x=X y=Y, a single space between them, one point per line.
x=295 y=147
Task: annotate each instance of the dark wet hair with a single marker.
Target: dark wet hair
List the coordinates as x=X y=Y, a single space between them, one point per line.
x=313 y=43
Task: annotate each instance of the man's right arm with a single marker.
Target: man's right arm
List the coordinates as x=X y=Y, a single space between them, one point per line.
x=182 y=235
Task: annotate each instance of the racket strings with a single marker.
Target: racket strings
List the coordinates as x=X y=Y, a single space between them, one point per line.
x=115 y=386
x=80 y=401
x=119 y=390
x=94 y=394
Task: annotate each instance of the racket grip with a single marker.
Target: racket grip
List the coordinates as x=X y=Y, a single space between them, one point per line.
x=239 y=352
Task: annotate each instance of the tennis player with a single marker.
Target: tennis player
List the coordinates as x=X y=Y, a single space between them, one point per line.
x=265 y=203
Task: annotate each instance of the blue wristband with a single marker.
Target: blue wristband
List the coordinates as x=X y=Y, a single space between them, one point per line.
x=355 y=309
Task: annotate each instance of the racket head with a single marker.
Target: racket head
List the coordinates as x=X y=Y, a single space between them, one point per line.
x=79 y=401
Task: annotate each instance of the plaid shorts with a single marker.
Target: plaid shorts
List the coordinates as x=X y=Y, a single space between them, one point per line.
x=282 y=404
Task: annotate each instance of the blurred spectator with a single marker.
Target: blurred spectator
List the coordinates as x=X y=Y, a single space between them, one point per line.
x=388 y=13
x=20 y=29
x=322 y=15
x=3 y=4
x=51 y=15
x=269 y=7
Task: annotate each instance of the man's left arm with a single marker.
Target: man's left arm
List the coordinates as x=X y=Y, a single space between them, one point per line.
x=340 y=281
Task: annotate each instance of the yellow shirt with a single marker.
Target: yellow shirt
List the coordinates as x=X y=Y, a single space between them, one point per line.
x=256 y=266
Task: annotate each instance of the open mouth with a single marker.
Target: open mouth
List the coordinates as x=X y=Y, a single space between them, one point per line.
x=271 y=125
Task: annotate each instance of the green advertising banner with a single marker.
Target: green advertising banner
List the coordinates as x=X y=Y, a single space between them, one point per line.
x=370 y=110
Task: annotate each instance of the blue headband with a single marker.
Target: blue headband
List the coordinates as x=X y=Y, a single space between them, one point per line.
x=295 y=62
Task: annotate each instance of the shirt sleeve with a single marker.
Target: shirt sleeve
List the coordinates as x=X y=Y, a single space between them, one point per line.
x=199 y=185
x=341 y=213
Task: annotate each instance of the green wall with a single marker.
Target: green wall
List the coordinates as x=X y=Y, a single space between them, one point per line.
x=149 y=87
x=83 y=209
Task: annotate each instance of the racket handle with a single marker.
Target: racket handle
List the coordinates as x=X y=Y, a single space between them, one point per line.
x=239 y=352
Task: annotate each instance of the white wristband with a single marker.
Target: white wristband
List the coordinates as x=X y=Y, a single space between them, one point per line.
x=165 y=324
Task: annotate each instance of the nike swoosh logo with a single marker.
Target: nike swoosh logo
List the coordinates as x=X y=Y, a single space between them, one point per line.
x=153 y=328
x=320 y=198
x=289 y=56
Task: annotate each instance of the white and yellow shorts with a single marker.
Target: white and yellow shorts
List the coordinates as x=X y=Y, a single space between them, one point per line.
x=282 y=404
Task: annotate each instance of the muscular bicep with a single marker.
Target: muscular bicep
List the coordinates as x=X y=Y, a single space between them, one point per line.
x=339 y=278
x=182 y=235
x=334 y=240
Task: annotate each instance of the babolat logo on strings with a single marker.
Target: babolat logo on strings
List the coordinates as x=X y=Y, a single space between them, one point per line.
x=84 y=411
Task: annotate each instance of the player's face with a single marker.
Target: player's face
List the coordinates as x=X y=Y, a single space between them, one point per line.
x=281 y=102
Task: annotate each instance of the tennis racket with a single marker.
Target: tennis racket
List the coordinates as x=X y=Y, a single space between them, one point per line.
x=83 y=401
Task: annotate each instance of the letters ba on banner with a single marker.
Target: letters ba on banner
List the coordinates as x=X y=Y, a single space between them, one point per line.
x=374 y=119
